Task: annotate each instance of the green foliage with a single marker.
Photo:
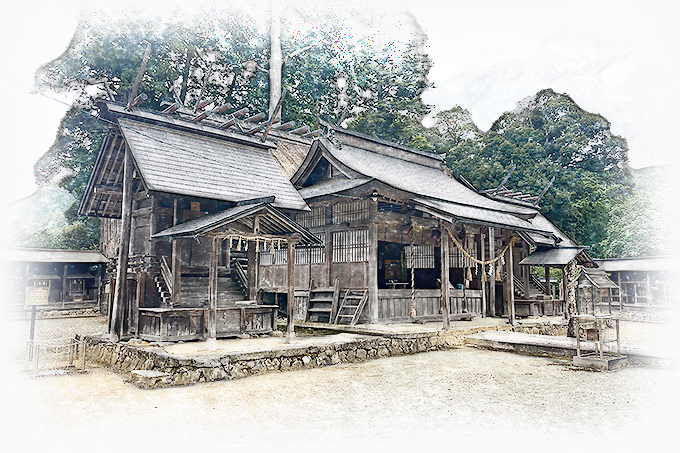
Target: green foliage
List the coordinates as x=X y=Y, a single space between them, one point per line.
x=548 y=136
x=326 y=75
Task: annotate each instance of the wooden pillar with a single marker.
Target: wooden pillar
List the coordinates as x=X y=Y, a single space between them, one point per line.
x=649 y=293
x=290 y=328
x=120 y=295
x=510 y=285
x=492 y=280
x=373 y=262
x=252 y=271
x=618 y=281
x=211 y=315
x=176 y=260
x=564 y=292
x=482 y=284
x=526 y=271
x=139 y=299
x=445 y=265
x=546 y=270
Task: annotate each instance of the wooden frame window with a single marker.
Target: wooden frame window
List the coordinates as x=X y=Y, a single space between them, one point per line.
x=350 y=211
x=350 y=246
x=423 y=256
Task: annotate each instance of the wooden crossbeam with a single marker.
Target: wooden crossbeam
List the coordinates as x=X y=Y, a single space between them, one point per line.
x=300 y=130
x=254 y=118
x=315 y=133
x=284 y=126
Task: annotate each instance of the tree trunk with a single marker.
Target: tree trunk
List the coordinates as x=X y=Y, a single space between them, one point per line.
x=275 y=60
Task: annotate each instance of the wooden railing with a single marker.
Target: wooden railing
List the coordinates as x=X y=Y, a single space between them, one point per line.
x=240 y=272
x=166 y=273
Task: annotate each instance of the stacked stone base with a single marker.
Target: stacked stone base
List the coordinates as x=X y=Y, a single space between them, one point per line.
x=173 y=370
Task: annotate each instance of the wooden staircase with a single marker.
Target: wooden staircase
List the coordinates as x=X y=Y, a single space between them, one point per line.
x=352 y=305
x=323 y=303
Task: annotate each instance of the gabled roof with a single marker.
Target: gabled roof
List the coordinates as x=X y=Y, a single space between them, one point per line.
x=187 y=164
x=271 y=222
x=557 y=256
x=186 y=159
x=27 y=255
x=595 y=277
x=640 y=264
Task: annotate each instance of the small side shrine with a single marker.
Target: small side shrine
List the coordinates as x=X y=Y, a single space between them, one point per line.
x=595 y=291
x=251 y=226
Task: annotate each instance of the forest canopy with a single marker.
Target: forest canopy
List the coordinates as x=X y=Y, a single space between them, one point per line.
x=333 y=77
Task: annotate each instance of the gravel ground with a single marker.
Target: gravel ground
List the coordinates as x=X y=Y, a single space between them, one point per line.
x=448 y=398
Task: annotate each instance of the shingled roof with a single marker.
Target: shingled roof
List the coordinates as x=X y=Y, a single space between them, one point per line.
x=175 y=156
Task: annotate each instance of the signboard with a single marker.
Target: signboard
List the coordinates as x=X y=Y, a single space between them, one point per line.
x=37 y=295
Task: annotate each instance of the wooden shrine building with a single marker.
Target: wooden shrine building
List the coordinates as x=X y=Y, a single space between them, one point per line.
x=395 y=224
x=176 y=190
x=214 y=221
x=74 y=277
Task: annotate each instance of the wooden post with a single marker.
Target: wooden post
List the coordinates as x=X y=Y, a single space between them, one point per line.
x=139 y=300
x=510 y=283
x=252 y=271
x=482 y=284
x=564 y=292
x=120 y=295
x=546 y=270
x=64 y=286
x=492 y=280
x=290 y=328
x=373 y=262
x=176 y=259
x=649 y=293
x=618 y=280
x=444 y=262
x=211 y=318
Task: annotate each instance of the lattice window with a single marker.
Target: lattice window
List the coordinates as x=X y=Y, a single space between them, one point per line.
x=313 y=255
x=423 y=256
x=350 y=246
x=350 y=211
x=316 y=217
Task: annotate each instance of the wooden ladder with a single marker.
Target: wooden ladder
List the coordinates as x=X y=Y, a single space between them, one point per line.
x=323 y=303
x=351 y=306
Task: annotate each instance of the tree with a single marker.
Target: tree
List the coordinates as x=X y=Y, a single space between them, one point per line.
x=548 y=135
x=235 y=59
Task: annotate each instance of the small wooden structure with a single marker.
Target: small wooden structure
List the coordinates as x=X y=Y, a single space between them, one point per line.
x=595 y=329
x=171 y=191
x=595 y=292
x=74 y=277
x=650 y=283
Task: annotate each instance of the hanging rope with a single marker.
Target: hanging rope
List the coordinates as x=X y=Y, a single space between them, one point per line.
x=470 y=257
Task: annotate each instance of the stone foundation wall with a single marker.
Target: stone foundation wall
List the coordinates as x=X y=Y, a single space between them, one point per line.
x=542 y=328
x=164 y=370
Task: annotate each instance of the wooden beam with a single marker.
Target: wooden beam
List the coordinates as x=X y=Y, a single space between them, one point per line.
x=445 y=265
x=120 y=296
x=510 y=285
x=372 y=267
x=211 y=315
x=176 y=260
x=492 y=280
x=290 y=327
x=482 y=284
x=135 y=87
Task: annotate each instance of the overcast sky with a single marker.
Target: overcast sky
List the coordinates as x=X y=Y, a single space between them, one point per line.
x=613 y=58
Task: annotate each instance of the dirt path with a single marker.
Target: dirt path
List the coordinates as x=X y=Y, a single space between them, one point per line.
x=449 y=398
